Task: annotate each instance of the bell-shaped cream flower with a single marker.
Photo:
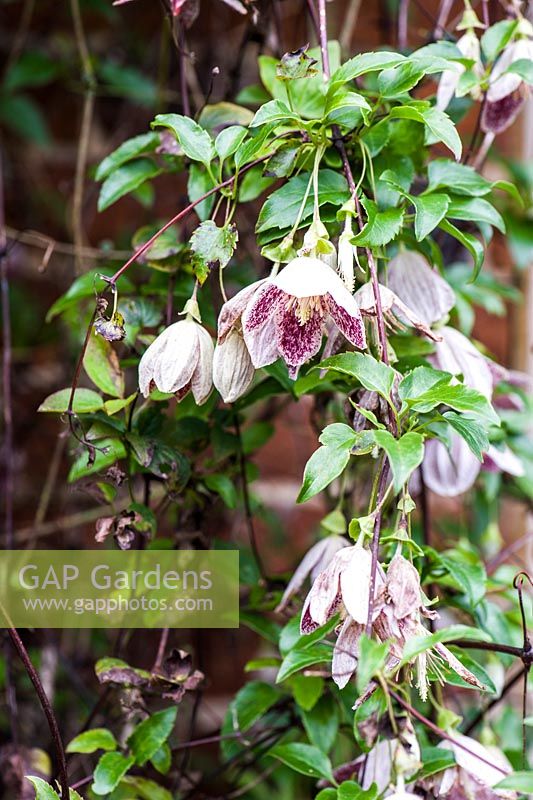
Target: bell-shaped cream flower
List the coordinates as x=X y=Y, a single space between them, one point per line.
x=507 y=91
x=468 y=44
x=233 y=370
x=396 y=313
x=179 y=360
x=288 y=315
x=313 y=563
x=419 y=286
x=478 y=769
x=343 y=586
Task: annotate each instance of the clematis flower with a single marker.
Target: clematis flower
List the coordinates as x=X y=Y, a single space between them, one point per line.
x=419 y=286
x=468 y=44
x=315 y=560
x=507 y=91
x=342 y=586
x=400 y=606
x=233 y=370
x=287 y=316
x=396 y=313
x=179 y=360
x=478 y=769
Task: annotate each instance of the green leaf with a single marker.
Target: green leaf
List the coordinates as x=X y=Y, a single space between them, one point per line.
x=43 y=790
x=350 y=790
x=372 y=374
x=85 y=401
x=372 y=657
x=102 y=366
x=126 y=179
x=460 y=398
x=93 y=740
x=521 y=781
x=321 y=723
x=469 y=576
x=31 y=68
x=145 y=788
x=345 y=99
x=471 y=431
x=199 y=183
x=496 y=37
x=366 y=62
x=469 y=241
x=461 y=179
x=223 y=486
x=430 y=210
x=475 y=209
x=419 y=644
x=131 y=148
x=420 y=380
x=281 y=208
x=194 y=140
x=338 y=434
x=212 y=244
x=162 y=759
x=109 y=771
x=23 y=115
x=399 y=79
x=306 y=690
x=327 y=794
x=229 y=140
x=522 y=67
x=435 y=759
x=109 y=451
x=273 y=111
x=326 y=464
x=405 y=454
x=381 y=227
x=437 y=123
x=151 y=733
x=84 y=286
x=298 y=659
x=252 y=702
x=304 y=758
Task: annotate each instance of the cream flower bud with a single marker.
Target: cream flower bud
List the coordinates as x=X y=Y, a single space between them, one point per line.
x=179 y=360
x=345 y=258
x=233 y=370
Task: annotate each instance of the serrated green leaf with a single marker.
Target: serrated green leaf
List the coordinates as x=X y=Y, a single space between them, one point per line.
x=109 y=771
x=405 y=454
x=151 y=733
x=419 y=644
x=430 y=209
x=101 y=364
x=460 y=398
x=43 y=790
x=229 y=140
x=473 y=245
x=194 y=140
x=461 y=179
x=474 y=434
x=366 y=62
x=298 y=659
x=326 y=464
x=281 y=208
x=273 y=111
x=252 y=702
x=381 y=227
x=475 y=209
x=131 y=148
x=126 y=179
x=212 y=244
x=372 y=374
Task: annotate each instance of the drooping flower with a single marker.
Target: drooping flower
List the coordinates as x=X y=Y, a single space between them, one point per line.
x=401 y=607
x=315 y=560
x=468 y=44
x=453 y=471
x=478 y=769
x=396 y=313
x=342 y=586
x=288 y=314
x=233 y=370
x=507 y=91
x=419 y=286
x=179 y=360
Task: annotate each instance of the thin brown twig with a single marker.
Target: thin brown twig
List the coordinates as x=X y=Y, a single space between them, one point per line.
x=47 y=709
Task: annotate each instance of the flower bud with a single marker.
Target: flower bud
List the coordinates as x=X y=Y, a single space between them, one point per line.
x=179 y=360
x=233 y=370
